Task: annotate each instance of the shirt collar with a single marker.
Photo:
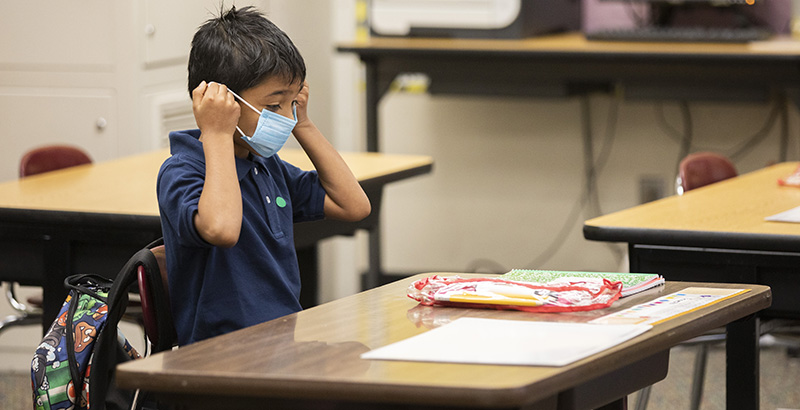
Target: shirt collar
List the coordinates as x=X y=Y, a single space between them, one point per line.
x=245 y=165
x=188 y=143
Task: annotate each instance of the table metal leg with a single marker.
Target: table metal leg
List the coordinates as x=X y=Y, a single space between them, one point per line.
x=373 y=99
x=307 y=260
x=57 y=262
x=742 y=364
x=373 y=278
x=621 y=404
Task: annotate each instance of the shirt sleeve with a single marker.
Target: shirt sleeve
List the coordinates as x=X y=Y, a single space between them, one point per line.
x=179 y=185
x=308 y=195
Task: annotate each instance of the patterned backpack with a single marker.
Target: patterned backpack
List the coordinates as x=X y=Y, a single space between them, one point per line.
x=73 y=367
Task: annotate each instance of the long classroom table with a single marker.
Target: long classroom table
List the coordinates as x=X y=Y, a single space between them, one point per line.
x=718 y=233
x=92 y=218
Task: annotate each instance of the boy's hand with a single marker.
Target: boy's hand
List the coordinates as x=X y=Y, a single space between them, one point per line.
x=302 y=107
x=215 y=109
x=344 y=198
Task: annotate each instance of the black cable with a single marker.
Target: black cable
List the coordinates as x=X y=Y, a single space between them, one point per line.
x=494 y=266
x=733 y=152
x=602 y=159
x=591 y=172
x=559 y=240
x=678 y=136
x=683 y=138
x=688 y=129
x=589 y=176
x=590 y=193
x=783 y=149
x=759 y=136
x=631 y=11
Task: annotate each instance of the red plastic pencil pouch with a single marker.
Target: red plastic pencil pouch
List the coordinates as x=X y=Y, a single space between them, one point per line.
x=495 y=293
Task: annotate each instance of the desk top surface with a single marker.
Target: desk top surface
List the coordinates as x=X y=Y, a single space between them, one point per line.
x=128 y=185
x=730 y=210
x=574 y=43
x=314 y=354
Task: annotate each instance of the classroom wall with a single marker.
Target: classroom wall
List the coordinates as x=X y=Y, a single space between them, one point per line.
x=509 y=171
x=109 y=77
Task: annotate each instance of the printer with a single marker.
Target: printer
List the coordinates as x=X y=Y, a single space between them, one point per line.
x=473 y=18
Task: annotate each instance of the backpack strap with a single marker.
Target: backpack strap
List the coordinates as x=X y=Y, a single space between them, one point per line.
x=164 y=337
x=87 y=282
x=108 y=352
x=82 y=284
x=72 y=360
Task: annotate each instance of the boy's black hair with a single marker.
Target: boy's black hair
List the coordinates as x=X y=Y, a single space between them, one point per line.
x=241 y=48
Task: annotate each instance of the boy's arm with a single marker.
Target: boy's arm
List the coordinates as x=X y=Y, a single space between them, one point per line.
x=345 y=200
x=219 y=211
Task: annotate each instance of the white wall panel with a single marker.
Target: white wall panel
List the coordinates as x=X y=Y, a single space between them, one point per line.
x=67 y=35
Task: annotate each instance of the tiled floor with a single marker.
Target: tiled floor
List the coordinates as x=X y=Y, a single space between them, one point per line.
x=780 y=378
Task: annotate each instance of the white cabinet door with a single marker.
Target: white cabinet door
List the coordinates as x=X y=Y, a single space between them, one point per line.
x=169 y=27
x=33 y=117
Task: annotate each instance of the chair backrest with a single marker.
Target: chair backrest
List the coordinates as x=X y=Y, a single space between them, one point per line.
x=156 y=314
x=703 y=168
x=51 y=158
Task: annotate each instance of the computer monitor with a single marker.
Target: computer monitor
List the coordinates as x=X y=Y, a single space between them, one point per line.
x=772 y=15
x=699 y=20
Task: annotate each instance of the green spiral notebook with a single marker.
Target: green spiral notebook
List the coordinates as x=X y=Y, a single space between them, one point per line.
x=632 y=283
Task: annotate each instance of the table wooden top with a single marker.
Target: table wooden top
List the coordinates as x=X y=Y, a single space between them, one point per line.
x=572 y=43
x=128 y=185
x=727 y=211
x=314 y=354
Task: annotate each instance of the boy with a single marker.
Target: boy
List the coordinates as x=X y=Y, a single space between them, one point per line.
x=227 y=202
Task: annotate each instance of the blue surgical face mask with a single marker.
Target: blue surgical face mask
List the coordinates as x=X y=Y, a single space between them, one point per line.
x=271 y=132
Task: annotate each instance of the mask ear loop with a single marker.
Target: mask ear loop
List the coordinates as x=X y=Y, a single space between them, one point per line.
x=247 y=104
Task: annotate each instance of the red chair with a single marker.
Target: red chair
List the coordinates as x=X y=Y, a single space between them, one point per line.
x=37 y=161
x=156 y=313
x=51 y=158
x=703 y=168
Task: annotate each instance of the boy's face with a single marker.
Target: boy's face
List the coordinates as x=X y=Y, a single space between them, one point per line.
x=274 y=94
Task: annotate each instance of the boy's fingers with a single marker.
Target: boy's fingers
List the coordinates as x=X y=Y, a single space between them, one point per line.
x=199 y=90
x=218 y=92
x=213 y=90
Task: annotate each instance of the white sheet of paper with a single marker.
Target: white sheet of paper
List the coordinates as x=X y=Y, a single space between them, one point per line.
x=508 y=342
x=792 y=215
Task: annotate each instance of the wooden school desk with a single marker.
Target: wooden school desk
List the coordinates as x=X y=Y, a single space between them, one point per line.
x=563 y=65
x=92 y=218
x=311 y=359
x=718 y=234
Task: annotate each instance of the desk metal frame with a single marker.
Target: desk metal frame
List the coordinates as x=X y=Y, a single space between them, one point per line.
x=565 y=65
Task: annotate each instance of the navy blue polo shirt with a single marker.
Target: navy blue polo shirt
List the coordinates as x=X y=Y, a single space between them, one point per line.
x=215 y=290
